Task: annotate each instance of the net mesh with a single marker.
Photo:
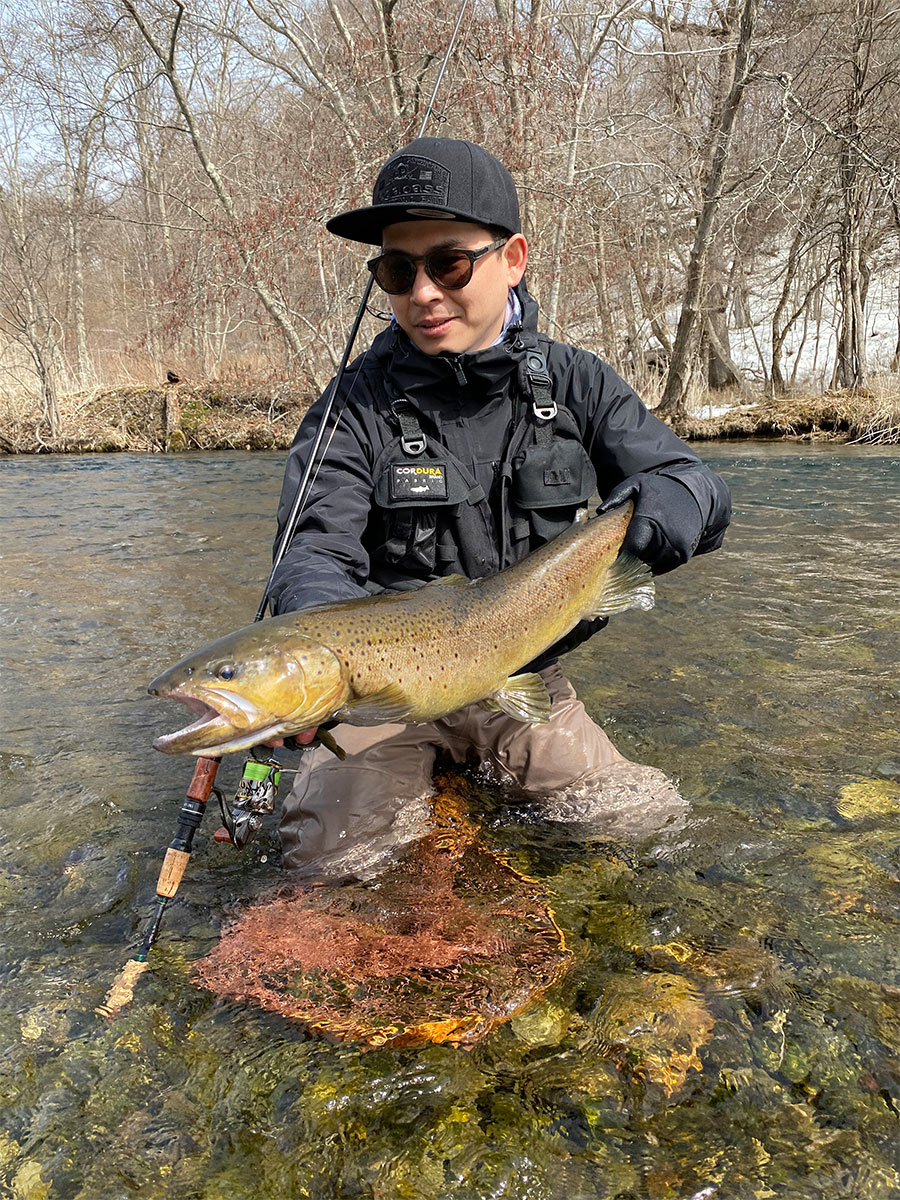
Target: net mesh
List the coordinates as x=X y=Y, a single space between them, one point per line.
x=443 y=946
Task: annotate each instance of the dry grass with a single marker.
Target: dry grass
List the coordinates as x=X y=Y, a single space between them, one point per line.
x=207 y=416
x=869 y=417
x=217 y=415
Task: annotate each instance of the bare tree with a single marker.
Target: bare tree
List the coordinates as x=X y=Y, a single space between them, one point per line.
x=27 y=315
x=166 y=55
x=176 y=166
x=586 y=38
x=743 y=15
x=74 y=85
x=850 y=368
x=30 y=246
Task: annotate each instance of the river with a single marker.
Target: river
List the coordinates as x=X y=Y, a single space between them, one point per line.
x=731 y=1023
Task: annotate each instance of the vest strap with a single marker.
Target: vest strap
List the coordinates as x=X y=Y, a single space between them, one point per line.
x=412 y=436
x=537 y=375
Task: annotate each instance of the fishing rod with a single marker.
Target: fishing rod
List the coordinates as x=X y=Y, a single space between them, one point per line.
x=311 y=469
x=171 y=873
x=259 y=782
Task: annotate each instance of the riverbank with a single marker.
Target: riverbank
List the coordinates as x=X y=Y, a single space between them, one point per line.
x=169 y=418
x=212 y=416
x=867 y=418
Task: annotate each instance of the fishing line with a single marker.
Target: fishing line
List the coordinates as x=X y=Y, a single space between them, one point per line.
x=312 y=468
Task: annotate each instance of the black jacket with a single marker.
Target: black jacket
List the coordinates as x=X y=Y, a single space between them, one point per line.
x=360 y=532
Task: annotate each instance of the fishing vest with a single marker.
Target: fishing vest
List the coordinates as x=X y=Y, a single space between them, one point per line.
x=435 y=516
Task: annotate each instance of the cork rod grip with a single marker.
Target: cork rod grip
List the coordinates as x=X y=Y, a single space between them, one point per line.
x=191 y=814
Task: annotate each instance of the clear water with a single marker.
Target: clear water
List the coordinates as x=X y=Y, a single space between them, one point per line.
x=731 y=1026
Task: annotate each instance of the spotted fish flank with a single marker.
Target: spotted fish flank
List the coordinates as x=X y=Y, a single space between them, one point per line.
x=409 y=656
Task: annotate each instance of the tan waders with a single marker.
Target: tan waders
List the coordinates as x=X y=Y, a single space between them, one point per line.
x=347 y=817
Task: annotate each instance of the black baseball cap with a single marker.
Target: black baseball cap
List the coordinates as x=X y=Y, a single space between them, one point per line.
x=435 y=179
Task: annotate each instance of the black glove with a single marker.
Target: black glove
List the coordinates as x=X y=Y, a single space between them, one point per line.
x=667 y=524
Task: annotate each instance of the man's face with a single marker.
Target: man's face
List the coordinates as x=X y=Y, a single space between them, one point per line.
x=465 y=319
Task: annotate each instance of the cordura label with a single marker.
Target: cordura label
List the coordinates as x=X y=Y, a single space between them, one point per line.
x=418 y=481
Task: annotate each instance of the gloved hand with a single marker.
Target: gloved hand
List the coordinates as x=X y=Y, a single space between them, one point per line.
x=667 y=524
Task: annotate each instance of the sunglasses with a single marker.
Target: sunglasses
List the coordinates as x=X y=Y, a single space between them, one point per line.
x=395 y=272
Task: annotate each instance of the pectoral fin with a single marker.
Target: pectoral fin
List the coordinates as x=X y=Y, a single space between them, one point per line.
x=629 y=584
x=324 y=738
x=524 y=697
x=378 y=708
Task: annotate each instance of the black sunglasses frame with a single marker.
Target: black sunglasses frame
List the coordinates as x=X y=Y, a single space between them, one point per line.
x=413 y=259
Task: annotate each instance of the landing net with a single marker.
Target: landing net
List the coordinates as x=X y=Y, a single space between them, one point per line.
x=443 y=946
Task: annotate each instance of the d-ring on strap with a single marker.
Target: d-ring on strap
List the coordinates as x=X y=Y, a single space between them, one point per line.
x=541 y=385
x=412 y=439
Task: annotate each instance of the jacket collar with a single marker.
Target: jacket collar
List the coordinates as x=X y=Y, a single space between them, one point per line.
x=474 y=376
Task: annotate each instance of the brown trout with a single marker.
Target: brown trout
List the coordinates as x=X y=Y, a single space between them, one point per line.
x=406 y=656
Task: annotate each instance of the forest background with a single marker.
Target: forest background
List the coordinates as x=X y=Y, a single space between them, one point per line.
x=711 y=190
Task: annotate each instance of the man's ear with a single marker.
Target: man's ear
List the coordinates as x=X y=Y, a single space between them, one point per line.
x=515 y=253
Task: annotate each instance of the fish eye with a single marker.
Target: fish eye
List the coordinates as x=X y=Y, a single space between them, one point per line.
x=225 y=671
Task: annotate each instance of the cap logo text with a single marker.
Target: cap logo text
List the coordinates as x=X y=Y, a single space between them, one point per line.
x=413 y=179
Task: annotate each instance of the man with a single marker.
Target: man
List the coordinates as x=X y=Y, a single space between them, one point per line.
x=517 y=432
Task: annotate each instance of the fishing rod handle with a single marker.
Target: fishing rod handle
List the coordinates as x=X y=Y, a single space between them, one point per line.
x=189 y=819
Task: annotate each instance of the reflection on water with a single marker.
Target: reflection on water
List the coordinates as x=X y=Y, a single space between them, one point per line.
x=731 y=1026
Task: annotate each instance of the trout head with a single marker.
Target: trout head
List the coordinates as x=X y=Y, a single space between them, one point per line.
x=249 y=687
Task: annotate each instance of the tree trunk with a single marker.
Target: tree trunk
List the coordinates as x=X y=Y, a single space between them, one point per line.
x=850 y=365
x=42 y=354
x=76 y=251
x=652 y=313
x=781 y=322
x=49 y=402
x=604 y=308
x=586 y=58
x=520 y=131
x=675 y=394
x=722 y=370
x=562 y=221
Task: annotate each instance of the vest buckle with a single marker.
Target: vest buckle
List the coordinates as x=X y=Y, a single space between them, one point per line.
x=412 y=439
x=540 y=385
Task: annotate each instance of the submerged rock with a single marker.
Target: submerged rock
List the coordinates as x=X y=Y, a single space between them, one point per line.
x=660 y=1021
x=868 y=798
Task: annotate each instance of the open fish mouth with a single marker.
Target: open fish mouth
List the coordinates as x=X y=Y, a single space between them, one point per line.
x=209 y=722
x=213 y=729
x=207 y=717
